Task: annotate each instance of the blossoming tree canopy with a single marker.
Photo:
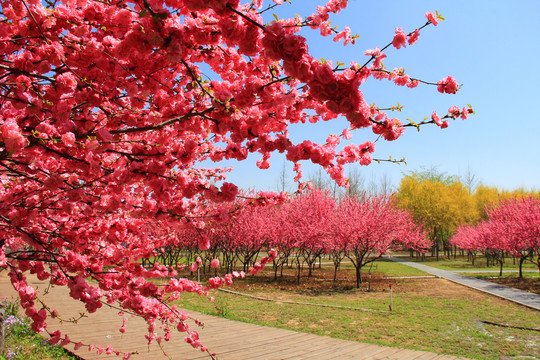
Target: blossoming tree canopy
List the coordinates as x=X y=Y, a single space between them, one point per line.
x=106 y=113
x=368 y=228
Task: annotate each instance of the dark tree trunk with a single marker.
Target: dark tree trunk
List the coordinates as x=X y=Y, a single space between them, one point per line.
x=358 y=275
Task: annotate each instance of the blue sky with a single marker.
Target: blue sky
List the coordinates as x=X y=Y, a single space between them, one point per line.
x=491 y=48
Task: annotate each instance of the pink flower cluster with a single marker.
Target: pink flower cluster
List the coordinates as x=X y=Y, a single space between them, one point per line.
x=11 y=136
x=389 y=129
x=352 y=153
x=447 y=85
x=400 y=38
x=432 y=18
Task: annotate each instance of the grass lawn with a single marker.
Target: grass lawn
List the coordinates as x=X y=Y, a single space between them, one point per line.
x=429 y=314
x=21 y=343
x=462 y=263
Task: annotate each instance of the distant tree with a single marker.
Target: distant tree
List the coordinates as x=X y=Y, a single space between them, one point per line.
x=470 y=180
x=283 y=179
x=319 y=179
x=438 y=201
x=356 y=183
x=484 y=197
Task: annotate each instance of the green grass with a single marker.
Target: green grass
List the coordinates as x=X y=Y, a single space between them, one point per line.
x=429 y=314
x=21 y=343
x=391 y=268
x=462 y=263
x=484 y=275
x=381 y=266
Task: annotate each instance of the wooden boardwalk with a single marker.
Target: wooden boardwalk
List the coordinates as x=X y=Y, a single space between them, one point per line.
x=230 y=340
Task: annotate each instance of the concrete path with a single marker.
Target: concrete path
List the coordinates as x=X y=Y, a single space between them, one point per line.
x=230 y=340
x=518 y=296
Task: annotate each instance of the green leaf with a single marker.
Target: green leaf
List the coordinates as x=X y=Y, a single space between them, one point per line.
x=143 y=13
x=276 y=17
x=439 y=16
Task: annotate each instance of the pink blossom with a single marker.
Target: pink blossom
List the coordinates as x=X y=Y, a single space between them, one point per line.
x=447 y=85
x=402 y=80
x=465 y=113
x=204 y=243
x=67 y=82
x=373 y=52
x=400 y=38
x=215 y=282
x=346 y=134
x=413 y=38
x=432 y=18
x=12 y=137
x=55 y=337
x=436 y=118
x=454 y=111
x=214 y=264
x=68 y=139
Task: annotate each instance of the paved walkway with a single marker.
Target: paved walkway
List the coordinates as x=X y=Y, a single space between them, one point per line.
x=231 y=340
x=518 y=296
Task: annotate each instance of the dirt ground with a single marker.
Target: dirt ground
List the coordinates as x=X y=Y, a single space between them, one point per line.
x=321 y=283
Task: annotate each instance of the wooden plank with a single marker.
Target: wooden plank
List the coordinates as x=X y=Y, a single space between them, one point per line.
x=231 y=340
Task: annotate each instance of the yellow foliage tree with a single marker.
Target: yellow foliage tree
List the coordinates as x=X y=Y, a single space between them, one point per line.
x=487 y=197
x=440 y=202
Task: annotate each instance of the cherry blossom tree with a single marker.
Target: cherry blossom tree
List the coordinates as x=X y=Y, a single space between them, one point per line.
x=367 y=229
x=468 y=237
x=481 y=238
x=513 y=227
x=106 y=116
x=304 y=224
x=516 y=225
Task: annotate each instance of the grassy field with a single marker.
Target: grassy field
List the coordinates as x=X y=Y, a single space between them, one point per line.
x=462 y=263
x=428 y=314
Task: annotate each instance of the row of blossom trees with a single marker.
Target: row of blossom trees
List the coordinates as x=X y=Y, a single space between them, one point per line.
x=512 y=227
x=306 y=228
x=442 y=203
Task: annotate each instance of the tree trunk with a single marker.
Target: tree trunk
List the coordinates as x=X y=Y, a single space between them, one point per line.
x=521 y=261
x=358 y=275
